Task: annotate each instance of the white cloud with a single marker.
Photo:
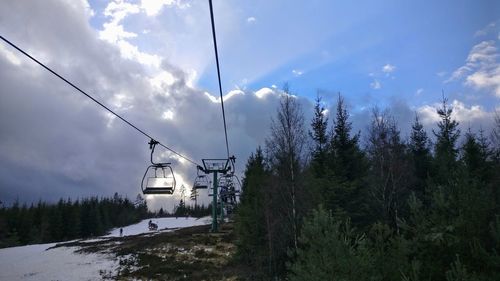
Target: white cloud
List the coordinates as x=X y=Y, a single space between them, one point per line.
x=419 y=92
x=482 y=68
x=375 y=84
x=251 y=20
x=153 y=7
x=441 y=73
x=114 y=32
x=162 y=80
x=118 y=10
x=131 y=52
x=262 y=93
x=216 y=99
x=297 y=72
x=388 y=68
x=491 y=27
x=461 y=113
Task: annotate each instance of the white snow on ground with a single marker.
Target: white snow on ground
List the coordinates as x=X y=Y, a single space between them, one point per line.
x=35 y=262
x=163 y=224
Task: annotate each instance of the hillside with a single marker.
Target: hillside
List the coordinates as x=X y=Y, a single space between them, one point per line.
x=172 y=253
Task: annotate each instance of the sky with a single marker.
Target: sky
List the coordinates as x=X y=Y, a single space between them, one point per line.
x=153 y=62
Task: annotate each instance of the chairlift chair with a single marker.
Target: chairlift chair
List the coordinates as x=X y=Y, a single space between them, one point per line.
x=230 y=186
x=159 y=177
x=201 y=181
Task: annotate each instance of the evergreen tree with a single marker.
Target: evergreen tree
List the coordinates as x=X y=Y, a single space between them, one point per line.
x=329 y=250
x=345 y=192
x=419 y=146
x=345 y=156
x=319 y=135
x=445 y=149
x=251 y=227
x=475 y=154
x=181 y=209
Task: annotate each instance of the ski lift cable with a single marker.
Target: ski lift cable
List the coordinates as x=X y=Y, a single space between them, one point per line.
x=95 y=100
x=218 y=74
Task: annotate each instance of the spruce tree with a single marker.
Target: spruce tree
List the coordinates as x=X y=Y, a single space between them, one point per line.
x=346 y=169
x=419 y=146
x=319 y=135
x=251 y=228
x=345 y=156
x=445 y=149
x=475 y=154
x=329 y=250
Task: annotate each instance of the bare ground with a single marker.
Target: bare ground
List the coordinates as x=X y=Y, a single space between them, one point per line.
x=191 y=253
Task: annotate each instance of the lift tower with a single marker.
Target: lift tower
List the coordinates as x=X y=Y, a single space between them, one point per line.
x=215 y=166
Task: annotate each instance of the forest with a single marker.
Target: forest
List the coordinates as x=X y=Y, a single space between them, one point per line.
x=44 y=222
x=321 y=202
x=89 y=217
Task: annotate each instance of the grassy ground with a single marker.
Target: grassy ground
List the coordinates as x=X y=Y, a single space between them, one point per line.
x=191 y=253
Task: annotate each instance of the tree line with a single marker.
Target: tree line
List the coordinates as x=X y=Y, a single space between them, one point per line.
x=183 y=210
x=66 y=220
x=327 y=203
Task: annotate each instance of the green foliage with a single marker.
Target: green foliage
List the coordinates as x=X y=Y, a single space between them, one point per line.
x=475 y=155
x=445 y=149
x=66 y=220
x=345 y=190
x=253 y=244
x=330 y=250
x=418 y=215
x=320 y=137
x=421 y=157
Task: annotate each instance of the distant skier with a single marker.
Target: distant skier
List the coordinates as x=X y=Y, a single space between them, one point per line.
x=121 y=232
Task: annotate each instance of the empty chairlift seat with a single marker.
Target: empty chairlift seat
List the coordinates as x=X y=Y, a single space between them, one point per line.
x=159 y=177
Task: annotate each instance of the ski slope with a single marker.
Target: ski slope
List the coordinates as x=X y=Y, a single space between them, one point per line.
x=38 y=262
x=164 y=224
